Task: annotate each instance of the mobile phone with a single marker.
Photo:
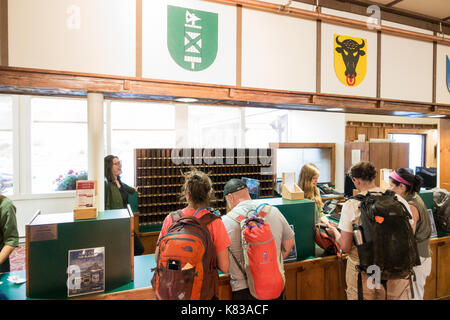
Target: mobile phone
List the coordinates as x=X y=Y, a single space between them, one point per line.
x=173 y=264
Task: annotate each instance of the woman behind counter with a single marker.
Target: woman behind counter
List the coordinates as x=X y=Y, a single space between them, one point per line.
x=309 y=175
x=116 y=192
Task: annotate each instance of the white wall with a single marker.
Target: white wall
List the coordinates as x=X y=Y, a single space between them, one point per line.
x=321 y=127
x=278 y=52
x=406 y=69
x=51 y=203
x=73 y=35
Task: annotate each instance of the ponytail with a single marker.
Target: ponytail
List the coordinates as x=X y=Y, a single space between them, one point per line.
x=415 y=181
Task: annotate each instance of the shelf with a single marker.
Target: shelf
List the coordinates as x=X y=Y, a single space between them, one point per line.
x=159 y=178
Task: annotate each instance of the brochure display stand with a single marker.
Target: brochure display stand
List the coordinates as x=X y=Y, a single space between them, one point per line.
x=289 y=189
x=67 y=257
x=85 y=200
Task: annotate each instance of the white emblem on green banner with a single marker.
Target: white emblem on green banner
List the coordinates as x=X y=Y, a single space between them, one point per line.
x=192 y=37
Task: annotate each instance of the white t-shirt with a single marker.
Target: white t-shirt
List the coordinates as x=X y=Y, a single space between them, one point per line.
x=351 y=214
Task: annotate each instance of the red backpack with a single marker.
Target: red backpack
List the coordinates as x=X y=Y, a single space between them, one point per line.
x=325 y=241
x=186 y=268
x=262 y=267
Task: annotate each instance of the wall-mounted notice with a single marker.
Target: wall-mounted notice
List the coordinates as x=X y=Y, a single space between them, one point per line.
x=356 y=156
x=43 y=232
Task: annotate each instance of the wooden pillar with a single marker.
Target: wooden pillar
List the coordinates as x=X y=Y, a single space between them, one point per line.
x=96 y=145
x=444 y=162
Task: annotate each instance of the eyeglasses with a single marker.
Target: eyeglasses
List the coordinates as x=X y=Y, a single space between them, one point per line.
x=118 y=163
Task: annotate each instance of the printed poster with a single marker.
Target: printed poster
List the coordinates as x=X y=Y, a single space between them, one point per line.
x=86 y=271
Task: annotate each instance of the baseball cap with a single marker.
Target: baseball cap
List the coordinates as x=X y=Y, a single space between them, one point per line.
x=233 y=185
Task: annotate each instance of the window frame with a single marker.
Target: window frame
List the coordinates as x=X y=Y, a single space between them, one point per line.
x=426 y=152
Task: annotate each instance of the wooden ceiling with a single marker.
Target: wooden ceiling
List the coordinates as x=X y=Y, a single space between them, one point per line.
x=437 y=9
x=432 y=15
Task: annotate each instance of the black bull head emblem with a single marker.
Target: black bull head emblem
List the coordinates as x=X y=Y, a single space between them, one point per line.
x=351 y=51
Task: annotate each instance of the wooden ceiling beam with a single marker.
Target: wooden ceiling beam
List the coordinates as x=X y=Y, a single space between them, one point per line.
x=58 y=83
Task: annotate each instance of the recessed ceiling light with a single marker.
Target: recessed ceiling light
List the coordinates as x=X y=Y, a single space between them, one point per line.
x=335 y=109
x=437 y=116
x=187 y=100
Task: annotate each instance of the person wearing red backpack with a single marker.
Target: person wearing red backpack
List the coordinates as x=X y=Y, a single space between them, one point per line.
x=242 y=206
x=198 y=192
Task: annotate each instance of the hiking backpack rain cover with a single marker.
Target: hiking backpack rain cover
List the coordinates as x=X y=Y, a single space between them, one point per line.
x=441 y=209
x=187 y=262
x=262 y=267
x=388 y=239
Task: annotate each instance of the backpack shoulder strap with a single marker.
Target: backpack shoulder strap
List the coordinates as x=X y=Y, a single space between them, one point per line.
x=176 y=215
x=261 y=213
x=358 y=197
x=208 y=218
x=236 y=216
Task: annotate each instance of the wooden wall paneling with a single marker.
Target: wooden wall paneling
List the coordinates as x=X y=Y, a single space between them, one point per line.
x=399 y=155
x=225 y=292
x=319 y=55
x=291 y=285
x=311 y=282
x=334 y=289
x=443 y=257
x=373 y=133
x=148 y=240
x=361 y=130
x=380 y=155
x=350 y=133
x=431 y=282
x=349 y=146
x=444 y=172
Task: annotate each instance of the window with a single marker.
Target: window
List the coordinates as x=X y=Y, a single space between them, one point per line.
x=214 y=127
x=140 y=125
x=263 y=126
x=58 y=143
x=416 y=147
x=6 y=145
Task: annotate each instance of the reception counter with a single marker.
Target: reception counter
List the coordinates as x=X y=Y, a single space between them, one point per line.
x=316 y=277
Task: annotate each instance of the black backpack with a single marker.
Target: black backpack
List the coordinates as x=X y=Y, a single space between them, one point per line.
x=441 y=210
x=387 y=238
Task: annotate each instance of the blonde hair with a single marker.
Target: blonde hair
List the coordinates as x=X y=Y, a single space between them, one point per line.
x=305 y=183
x=199 y=185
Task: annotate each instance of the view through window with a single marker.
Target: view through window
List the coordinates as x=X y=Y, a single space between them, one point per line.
x=6 y=145
x=58 y=143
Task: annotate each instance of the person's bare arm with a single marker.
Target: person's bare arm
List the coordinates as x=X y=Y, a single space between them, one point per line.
x=287 y=247
x=223 y=260
x=5 y=252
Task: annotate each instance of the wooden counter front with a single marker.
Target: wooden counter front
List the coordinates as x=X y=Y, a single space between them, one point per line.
x=318 y=279
x=311 y=279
